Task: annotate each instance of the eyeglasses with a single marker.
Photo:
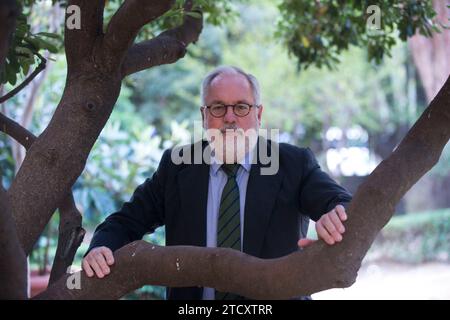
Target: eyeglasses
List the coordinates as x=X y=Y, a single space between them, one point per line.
x=218 y=110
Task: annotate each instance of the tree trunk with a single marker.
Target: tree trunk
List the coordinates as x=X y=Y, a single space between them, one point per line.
x=13 y=265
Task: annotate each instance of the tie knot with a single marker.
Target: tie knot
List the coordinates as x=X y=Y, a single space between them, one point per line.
x=230 y=169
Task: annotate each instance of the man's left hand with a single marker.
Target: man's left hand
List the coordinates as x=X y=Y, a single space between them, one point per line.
x=329 y=227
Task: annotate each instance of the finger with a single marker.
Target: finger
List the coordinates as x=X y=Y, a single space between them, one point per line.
x=101 y=261
x=94 y=265
x=328 y=224
x=87 y=268
x=107 y=253
x=341 y=212
x=323 y=233
x=305 y=242
x=336 y=221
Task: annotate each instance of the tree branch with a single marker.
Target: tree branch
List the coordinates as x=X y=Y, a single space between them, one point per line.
x=167 y=47
x=30 y=78
x=16 y=131
x=79 y=43
x=129 y=19
x=311 y=270
x=228 y=270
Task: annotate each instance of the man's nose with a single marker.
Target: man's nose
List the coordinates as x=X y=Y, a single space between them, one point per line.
x=229 y=116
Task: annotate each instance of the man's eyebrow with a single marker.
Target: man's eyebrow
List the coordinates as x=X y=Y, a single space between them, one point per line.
x=243 y=101
x=217 y=102
x=221 y=102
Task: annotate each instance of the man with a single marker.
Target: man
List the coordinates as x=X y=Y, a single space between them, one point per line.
x=227 y=202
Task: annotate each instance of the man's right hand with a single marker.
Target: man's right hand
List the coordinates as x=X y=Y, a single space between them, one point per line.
x=98 y=260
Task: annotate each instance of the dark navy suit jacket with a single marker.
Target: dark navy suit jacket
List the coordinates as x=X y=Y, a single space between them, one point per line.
x=277 y=207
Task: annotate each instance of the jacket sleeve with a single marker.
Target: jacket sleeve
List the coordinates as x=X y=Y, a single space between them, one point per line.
x=142 y=214
x=319 y=193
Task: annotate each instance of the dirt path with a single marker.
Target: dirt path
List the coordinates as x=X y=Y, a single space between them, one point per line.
x=395 y=281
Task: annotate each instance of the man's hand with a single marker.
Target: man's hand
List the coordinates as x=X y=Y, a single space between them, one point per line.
x=329 y=227
x=98 y=260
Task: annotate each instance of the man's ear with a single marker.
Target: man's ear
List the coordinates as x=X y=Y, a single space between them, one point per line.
x=259 y=114
x=203 y=116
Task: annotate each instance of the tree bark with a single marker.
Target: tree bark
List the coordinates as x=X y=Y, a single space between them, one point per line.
x=122 y=30
x=71 y=233
x=13 y=263
x=316 y=268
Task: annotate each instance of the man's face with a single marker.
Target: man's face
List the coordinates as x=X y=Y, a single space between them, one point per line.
x=230 y=89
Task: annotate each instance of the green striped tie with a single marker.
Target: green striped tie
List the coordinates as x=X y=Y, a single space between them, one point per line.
x=229 y=224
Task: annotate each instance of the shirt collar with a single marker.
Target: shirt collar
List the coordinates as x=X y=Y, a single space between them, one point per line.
x=245 y=162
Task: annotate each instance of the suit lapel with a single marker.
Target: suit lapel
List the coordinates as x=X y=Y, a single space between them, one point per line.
x=193 y=183
x=260 y=199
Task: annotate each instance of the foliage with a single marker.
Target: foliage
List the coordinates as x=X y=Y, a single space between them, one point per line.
x=169 y=92
x=27 y=46
x=414 y=238
x=411 y=238
x=317 y=32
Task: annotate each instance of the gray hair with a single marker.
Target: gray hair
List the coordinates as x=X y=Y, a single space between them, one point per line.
x=231 y=70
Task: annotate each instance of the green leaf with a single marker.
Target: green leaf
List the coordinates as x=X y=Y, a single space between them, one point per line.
x=194 y=14
x=24 y=51
x=39 y=43
x=25 y=68
x=47 y=45
x=50 y=35
x=10 y=74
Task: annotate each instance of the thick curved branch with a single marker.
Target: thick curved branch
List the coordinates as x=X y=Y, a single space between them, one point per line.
x=141 y=263
x=129 y=19
x=167 y=47
x=30 y=78
x=79 y=42
x=314 y=269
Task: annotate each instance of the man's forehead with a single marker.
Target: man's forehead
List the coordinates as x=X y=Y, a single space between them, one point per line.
x=230 y=78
